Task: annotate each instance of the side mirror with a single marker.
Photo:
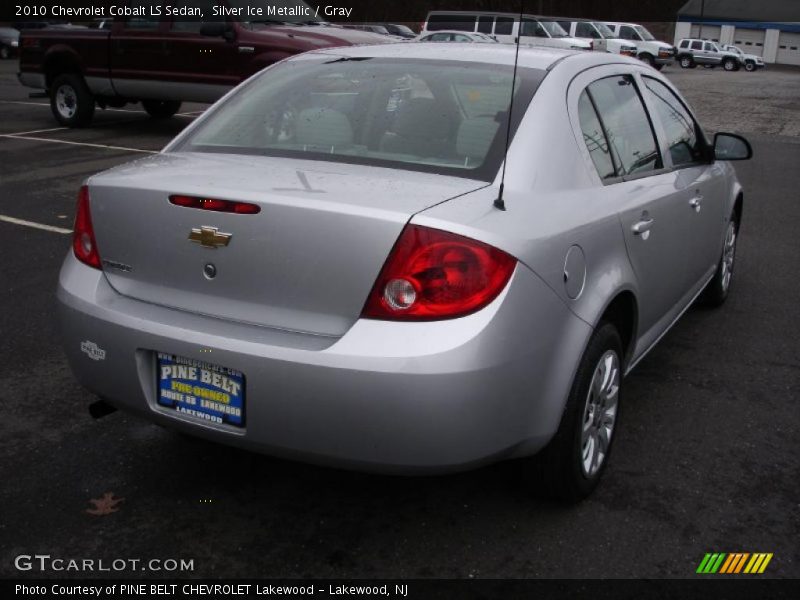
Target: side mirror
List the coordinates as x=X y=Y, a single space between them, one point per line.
x=216 y=29
x=729 y=146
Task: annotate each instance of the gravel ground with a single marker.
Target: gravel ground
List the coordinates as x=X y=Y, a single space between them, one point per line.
x=765 y=101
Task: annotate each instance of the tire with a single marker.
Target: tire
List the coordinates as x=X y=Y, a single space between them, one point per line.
x=750 y=66
x=686 y=62
x=729 y=64
x=71 y=101
x=647 y=59
x=658 y=67
x=572 y=464
x=161 y=109
x=5 y=52
x=717 y=290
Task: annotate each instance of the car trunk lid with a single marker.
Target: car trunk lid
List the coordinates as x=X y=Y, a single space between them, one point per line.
x=306 y=262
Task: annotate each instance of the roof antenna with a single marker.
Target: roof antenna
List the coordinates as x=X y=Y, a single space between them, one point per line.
x=499 y=203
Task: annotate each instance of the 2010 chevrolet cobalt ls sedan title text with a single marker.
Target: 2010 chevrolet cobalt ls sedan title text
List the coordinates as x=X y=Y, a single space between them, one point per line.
x=319 y=267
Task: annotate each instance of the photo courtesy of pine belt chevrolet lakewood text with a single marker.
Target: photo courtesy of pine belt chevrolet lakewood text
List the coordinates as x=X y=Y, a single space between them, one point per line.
x=369 y=257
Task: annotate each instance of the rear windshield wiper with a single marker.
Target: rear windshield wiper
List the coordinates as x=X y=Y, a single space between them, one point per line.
x=348 y=59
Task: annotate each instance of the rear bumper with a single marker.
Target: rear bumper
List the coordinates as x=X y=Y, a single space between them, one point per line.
x=408 y=397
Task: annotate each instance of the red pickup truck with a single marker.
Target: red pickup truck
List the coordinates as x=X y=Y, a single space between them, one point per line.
x=162 y=60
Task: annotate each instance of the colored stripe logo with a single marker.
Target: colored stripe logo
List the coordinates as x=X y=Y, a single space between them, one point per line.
x=734 y=563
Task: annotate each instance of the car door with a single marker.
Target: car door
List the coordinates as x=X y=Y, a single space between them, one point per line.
x=138 y=49
x=697 y=179
x=713 y=55
x=699 y=53
x=651 y=212
x=205 y=66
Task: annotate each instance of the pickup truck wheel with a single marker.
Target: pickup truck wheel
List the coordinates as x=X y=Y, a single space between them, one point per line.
x=647 y=59
x=161 y=109
x=571 y=465
x=729 y=64
x=71 y=101
x=686 y=62
x=750 y=66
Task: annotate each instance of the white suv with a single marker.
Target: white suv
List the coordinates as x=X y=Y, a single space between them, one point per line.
x=652 y=51
x=598 y=34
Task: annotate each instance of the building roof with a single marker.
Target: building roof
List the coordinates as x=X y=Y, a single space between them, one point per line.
x=787 y=11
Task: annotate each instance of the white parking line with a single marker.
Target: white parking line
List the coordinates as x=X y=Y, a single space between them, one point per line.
x=107 y=147
x=36 y=131
x=42 y=226
x=190 y=115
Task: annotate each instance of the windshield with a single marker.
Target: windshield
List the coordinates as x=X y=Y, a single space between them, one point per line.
x=604 y=30
x=276 y=11
x=554 y=29
x=401 y=30
x=447 y=117
x=646 y=35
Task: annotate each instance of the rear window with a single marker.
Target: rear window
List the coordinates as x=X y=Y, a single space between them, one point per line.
x=446 y=117
x=456 y=22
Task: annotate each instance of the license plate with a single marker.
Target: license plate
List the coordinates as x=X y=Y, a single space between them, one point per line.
x=200 y=390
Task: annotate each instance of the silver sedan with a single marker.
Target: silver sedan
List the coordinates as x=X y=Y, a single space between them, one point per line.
x=362 y=257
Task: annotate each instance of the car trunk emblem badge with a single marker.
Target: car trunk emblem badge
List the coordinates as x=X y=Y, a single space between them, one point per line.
x=210 y=237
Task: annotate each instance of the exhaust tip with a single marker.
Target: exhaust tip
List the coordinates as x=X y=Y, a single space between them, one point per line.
x=100 y=409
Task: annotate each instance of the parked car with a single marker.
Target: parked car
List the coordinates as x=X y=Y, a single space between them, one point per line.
x=456 y=36
x=598 y=34
x=323 y=269
x=9 y=42
x=402 y=31
x=505 y=28
x=648 y=49
x=751 y=62
x=693 y=52
x=161 y=61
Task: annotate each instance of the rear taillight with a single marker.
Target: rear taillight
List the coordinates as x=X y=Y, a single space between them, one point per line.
x=432 y=274
x=83 y=243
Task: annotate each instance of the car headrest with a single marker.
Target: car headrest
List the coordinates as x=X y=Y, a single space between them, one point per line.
x=323 y=127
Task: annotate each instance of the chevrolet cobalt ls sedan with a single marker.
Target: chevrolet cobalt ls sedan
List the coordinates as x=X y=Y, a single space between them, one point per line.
x=325 y=266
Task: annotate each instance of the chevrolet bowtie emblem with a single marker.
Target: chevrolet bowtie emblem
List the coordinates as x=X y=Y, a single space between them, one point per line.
x=210 y=237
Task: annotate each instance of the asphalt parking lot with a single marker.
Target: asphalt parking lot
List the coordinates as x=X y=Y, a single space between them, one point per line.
x=706 y=458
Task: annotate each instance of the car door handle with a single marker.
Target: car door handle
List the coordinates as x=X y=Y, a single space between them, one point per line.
x=696 y=203
x=642 y=226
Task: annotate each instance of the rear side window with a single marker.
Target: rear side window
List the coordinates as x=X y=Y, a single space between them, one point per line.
x=686 y=144
x=684 y=43
x=586 y=30
x=697 y=45
x=504 y=26
x=531 y=28
x=485 y=24
x=595 y=138
x=627 y=127
x=456 y=22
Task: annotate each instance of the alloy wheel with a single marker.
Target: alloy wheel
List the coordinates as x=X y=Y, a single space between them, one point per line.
x=600 y=413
